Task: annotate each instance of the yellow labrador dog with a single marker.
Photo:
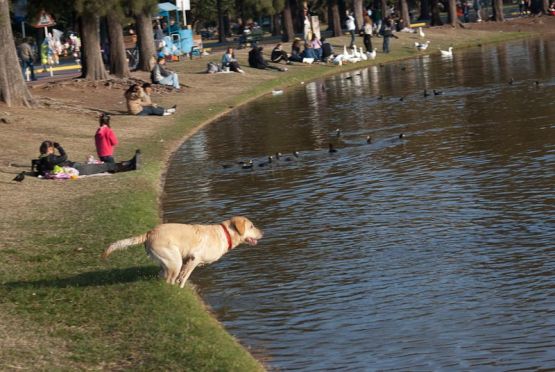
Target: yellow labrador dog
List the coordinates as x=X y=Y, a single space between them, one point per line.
x=179 y=248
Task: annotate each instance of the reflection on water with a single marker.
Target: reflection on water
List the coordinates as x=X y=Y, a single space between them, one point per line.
x=432 y=252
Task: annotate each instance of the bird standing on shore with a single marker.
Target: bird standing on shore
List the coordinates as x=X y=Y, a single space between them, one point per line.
x=331 y=149
x=422 y=46
x=20 y=177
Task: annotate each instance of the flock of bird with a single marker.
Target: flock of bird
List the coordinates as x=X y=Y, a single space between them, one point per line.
x=278 y=157
x=357 y=54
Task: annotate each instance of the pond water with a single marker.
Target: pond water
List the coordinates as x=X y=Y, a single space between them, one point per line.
x=431 y=252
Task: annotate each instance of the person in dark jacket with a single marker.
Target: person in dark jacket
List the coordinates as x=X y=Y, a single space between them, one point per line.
x=48 y=160
x=296 y=51
x=256 y=60
x=278 y=55
x=327 y=49
x=27 y=56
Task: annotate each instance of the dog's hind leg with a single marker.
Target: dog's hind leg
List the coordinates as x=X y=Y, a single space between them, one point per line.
x=170 y=263
x=189 y=265
x=173 y=269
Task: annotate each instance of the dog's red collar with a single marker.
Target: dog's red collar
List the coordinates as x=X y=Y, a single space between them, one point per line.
x=227 y=236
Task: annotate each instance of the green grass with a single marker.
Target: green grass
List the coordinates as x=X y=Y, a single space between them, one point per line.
x=117 y=314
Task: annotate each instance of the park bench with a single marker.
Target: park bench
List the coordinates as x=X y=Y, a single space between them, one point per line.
x=249 y=39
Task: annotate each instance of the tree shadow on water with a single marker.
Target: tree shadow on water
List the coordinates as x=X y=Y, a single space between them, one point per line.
x=92 y=278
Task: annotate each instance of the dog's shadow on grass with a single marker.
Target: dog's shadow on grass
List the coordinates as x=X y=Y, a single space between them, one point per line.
x=93 y=278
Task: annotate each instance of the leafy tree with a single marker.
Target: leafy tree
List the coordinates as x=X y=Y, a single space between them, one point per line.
x=288 y=27
x=334 y=21
x=13 y=90
x=89 y=12
x=118 y=58
x=358 y=13
x=497 y=6
x=404 y=9
x=143 y=10
x=452 y=12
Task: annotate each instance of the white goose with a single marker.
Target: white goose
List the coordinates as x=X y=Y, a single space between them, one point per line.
x=447 y=53
x=355 y=51
x=363 y=55
x=421 y=33
x=421 y=46
x=338 y=60
x=372 y=54
x=346 y=54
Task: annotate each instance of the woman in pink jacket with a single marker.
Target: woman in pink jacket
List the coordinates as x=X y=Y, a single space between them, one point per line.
x=105 y=140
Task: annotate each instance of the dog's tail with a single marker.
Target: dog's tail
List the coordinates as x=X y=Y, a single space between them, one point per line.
x=123 y=244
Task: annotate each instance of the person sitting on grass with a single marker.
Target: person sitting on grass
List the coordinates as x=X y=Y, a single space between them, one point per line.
x=229 y=61
x=161 y=75
x=296 y=51
x=308 y=53
x=316 y=45
x=138 y=104
x=278 y=55
x=49 y=163
x=327 y=50
x=147 y=101
x=105 y=139
x=256 y=60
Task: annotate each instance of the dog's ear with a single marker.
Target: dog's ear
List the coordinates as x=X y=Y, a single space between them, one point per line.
x=239 y=223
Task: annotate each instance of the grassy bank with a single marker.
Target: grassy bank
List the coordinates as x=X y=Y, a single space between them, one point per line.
x=64 y=308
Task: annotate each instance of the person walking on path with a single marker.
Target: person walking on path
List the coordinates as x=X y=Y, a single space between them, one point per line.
x=105 y=140
x=350 y=23
x=26 y=55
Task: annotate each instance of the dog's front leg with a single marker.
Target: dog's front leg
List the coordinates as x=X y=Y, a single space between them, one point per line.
x=189 y=265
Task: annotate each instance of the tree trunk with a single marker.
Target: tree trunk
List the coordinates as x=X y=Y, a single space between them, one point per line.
x=336 y=19
x=452 y=12
x=424 y=10
x=145 y=36
x=404 y=9
x=357 y=10
x=13 y=90
x=221 y=29
x=93 y=66
x=498 y=11
x=288 y=30
x=276 y=24
x=118 y=59
x=297 y=13
x=385 y=9
x=436 y=18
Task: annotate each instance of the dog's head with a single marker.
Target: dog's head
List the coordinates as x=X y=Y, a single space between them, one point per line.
x=248 y=233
